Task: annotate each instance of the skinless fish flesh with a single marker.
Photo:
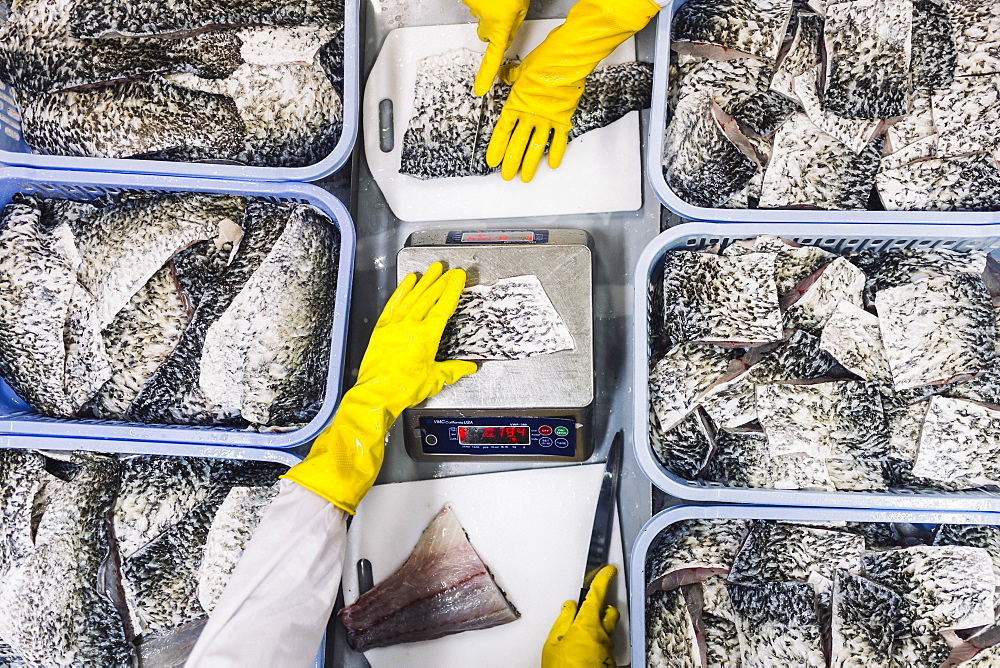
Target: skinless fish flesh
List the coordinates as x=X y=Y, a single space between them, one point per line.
x=232 y=527
x=866 y=622
x=986 y=536
x=812 y=302
x=38 y=54
x=852 y=336
x=671 y=639
x=936 y=330
x=444 y=136
x=706 y=157
x=744 y=459
x=793 y=263
x=933 y=54
x=958 y=443
x=967 y=115
x=685 y=449
x=868 y=44
x=443 y=587
x=717 y=299
x=802 y=56
x=976 y=29
x=141 y=337
x=165 y=116
x=265 y=359
x=779 y=552
x=118 y=256
x=681 y=378
x=732 y=28
x=292 y=113
x=509 y=319
x=841 y=423
x=942 y=587
x=809 y=168
x=691 y=551
x=55 y=610
x=734 y=403
x=115 y=18
x=37 y=281
x=855 y=134
x=778 y=624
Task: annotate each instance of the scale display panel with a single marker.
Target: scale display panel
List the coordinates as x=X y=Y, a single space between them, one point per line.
x=549 y=436
x=497 y=237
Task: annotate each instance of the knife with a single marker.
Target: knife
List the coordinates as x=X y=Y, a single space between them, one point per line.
x=479 y=133
x=600 y=536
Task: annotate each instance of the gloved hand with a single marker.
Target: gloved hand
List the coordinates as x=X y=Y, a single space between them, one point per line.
x=548 y=83
x=498 y=23
x=584 y=642
x=397 y=371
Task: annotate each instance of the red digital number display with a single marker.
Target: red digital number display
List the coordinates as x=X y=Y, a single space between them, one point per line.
x=494 y=435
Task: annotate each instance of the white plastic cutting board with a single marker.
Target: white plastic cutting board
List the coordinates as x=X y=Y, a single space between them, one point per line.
x=600 y=172
x=531 y=527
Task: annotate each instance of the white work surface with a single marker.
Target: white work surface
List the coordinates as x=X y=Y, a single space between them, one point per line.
x=601 y=171
x=531 y=528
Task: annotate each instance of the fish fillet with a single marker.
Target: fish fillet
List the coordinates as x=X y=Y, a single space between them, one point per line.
x=793 y=262
x=691 y=551
x=779 y=552
x=933 y=54
x=976 y=30
x=731 y=28
x=866 y=622
x=681 y=378
x=744 y=459
x=852 y=336
x=671 y=640
x=685 y=449
x=802 y=56
x=967 y=115
x=115 y=18
x=442 y=588
x=509 y=319
x=965 y=183
x=811 y=304
x=986 y=536
x=936 y=330
x=958 y=443
x=777 y=624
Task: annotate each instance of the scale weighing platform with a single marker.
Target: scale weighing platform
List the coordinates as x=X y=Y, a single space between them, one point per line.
x=538 y=408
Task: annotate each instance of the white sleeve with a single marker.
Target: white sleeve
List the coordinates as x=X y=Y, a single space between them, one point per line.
x=276 y=606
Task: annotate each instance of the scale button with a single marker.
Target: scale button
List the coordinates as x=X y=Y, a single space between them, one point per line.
x=545 y=441
x=562 y=443
x=430 y=439
x=561 y=431
x=545 y=430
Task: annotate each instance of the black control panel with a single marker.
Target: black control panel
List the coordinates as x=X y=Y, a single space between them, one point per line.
x=501 y=435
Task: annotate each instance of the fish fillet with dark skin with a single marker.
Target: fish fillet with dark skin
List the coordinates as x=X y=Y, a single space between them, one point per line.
x=443 y=587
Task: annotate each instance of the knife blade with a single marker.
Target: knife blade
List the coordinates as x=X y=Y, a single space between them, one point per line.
x=600 y=536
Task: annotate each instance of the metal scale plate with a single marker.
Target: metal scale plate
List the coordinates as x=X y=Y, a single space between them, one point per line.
x=532 y=409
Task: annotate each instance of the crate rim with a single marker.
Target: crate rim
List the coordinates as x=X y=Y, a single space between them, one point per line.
x=335 y=160
x=669 y=199
x=669 y=516
x=711 y=493
x=20 y=178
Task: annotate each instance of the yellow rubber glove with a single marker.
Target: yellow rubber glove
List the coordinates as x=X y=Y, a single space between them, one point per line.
x=548 y=83
x=498 y=23
x=397 y=371
x=584 y=641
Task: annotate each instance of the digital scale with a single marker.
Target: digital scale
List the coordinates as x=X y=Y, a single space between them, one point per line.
x=538 y=408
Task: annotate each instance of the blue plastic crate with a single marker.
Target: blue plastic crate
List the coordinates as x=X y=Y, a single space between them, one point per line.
x=14 y=152
x=19 y=424
x=669 y=199
x=652 y=528
x=835 y=238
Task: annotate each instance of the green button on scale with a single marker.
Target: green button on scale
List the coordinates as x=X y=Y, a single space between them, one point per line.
x=561 y=431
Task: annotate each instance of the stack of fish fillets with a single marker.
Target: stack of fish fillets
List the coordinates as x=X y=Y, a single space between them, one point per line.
x=835 y=104
x=757 y=593
x=106 y=560
x=181 y=308
x=790 y=367
x=247 y=83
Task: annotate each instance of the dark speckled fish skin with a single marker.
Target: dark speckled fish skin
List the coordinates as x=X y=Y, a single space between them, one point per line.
x=685 y=449
x=89 y=122
x=37 y=281
x=21 y=478
x=986 y=536
x=444 y=90
x=933 y=54
x=670 y=632
x=779 y=552
x=693 y=550
x=866 y=622
x=100 y=18
x=38 y=54
x=778 y=624
x=55 y=610
x=741 y=27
